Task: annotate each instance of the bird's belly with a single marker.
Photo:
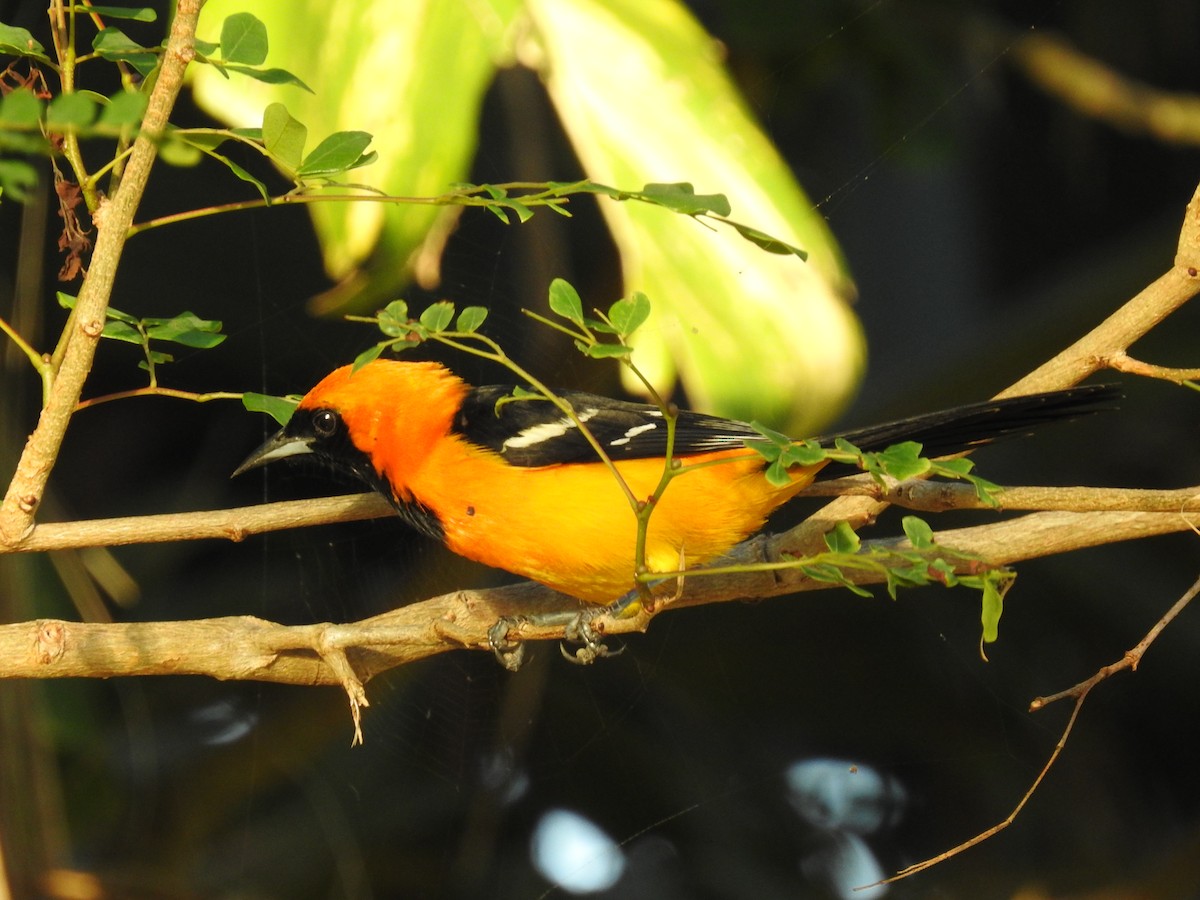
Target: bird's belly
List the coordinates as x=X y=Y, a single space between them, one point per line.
x=573 y=528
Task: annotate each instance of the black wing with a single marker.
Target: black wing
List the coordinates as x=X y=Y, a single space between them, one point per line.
x=534 y=432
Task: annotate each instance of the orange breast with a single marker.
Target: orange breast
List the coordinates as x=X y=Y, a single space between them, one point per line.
x=571 y=526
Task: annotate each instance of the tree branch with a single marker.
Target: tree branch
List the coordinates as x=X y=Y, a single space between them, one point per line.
x=112 y=221
x=244 y=647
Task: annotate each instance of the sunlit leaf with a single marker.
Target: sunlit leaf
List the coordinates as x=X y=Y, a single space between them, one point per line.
x=565 y=301
x=243 y=39
x=754 y=335
x=393 y=319
x=411 y=72
x=628 y=314
x=337 y=153
x=268 y=76
x=471 y=318
x=283 y=135
x=438 y=316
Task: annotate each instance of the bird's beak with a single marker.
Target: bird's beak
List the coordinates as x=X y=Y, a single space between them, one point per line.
x=278 y=446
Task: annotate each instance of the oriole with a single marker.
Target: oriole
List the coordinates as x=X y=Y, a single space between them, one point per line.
x=518 y=487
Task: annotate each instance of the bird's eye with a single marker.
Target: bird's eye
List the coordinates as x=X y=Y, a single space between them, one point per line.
x=324 y=423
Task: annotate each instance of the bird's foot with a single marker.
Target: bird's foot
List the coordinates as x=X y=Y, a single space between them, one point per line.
x=580 y=631
x=577 y=628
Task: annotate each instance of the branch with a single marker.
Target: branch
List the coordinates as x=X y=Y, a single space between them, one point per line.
x=239 y=523
x=1089 y=354
x=112 y=220
x=1101 y=92
x=244 y=647
x=227 y=524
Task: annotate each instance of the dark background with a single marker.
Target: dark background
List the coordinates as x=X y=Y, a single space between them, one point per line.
x=987 y=227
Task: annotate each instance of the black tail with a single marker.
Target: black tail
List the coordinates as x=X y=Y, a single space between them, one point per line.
x=954 y=430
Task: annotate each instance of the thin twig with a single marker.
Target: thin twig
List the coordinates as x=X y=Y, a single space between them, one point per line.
x=1080 y=692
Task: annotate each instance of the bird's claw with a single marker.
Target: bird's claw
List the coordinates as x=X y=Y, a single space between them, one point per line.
x=577 y=629
x=580 y=630
x=509 y=653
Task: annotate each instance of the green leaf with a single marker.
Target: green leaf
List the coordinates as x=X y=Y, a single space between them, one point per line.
x=371 y=354
x=278 y=408
x=121 y=331
x=438 y=316
x=605 y=351
x=137 y=13
x=766 y=242
x=987 y=491
x=17 y=179
x=16 y=41
x=956 y=467
x=500 y=213
x=124 y=108
x=176 y=151
x=842 y=539
x=119 y=316
x=20 y=109
x=393 y=319
x=341 y=151
x=803 y=454
x=70 y=112
x=186 y=329
x=524 y=213
x=283 y=136
x=777 y=474
x=627 y=315
x=776 y=438
x=903 y=461
x=995 y=586
x=470 y=319
x=243 y=39
x=268 y=76
x=564 y=301
x=682 y=198
x=831 y=574
x=116 y=46
x=918 y=532
x=240 y=173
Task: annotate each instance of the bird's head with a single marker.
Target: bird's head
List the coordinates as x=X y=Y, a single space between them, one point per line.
x=371 y=424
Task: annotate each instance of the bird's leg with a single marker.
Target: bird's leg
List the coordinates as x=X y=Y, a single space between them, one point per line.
x=577 y=628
